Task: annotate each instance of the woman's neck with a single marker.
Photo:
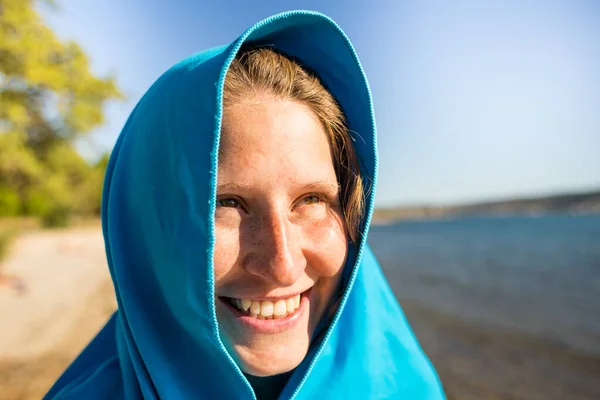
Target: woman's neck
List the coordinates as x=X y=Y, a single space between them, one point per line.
x=268 y=387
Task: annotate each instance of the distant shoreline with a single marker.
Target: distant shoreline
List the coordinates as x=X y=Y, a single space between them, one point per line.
x=573 y=204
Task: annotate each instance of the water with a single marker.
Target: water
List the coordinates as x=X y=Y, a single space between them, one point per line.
x=540 y=276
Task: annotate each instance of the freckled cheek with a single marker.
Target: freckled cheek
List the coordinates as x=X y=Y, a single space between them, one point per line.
x=328 y=245
x=226 y=252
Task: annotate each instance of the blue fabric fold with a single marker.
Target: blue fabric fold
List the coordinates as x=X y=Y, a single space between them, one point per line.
x=157 y=219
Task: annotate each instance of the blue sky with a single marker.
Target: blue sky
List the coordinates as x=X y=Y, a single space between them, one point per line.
x=474 y=100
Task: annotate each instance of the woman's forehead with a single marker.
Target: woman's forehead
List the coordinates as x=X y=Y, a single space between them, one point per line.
x=274 y=133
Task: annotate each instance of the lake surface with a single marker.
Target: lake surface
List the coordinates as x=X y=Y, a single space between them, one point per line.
x=536 y=277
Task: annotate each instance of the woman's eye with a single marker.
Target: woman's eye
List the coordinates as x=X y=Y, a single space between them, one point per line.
x=312 y=200
x=228 y=203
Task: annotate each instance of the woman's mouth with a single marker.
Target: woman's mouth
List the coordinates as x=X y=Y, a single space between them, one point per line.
x=266 y=309
x=268 y=316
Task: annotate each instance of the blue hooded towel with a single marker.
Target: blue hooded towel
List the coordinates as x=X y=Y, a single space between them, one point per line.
x=158 y=224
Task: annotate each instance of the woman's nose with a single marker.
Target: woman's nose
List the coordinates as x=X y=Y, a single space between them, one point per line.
x=276 y=254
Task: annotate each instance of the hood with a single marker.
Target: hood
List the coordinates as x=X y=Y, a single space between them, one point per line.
x=158 y=223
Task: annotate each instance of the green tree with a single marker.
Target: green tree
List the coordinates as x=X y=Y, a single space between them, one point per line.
x=48 y=98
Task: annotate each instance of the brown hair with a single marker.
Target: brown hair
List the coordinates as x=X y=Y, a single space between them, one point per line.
x=263 y=70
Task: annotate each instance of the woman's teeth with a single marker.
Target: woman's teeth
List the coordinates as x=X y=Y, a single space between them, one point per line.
x=267 y=309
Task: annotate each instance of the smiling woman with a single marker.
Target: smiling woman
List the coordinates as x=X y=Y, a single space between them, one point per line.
x=235 y=214
x=281 y=237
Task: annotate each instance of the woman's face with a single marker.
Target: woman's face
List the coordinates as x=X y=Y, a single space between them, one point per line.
x=280 y=236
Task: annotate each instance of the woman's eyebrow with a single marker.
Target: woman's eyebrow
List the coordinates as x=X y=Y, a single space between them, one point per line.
x=233 y=187
x=323 y=186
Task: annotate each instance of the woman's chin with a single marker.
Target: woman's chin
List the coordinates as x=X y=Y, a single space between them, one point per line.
x=269 y=362
x=264 y=371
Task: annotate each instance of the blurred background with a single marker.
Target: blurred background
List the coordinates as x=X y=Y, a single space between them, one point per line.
x=488 y=201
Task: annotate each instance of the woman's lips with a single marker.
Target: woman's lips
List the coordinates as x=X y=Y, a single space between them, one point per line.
x=274 y=325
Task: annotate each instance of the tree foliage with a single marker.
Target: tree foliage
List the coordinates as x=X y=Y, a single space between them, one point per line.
x=49 y=97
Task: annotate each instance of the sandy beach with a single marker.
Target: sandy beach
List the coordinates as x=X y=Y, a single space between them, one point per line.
x=55 y=295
